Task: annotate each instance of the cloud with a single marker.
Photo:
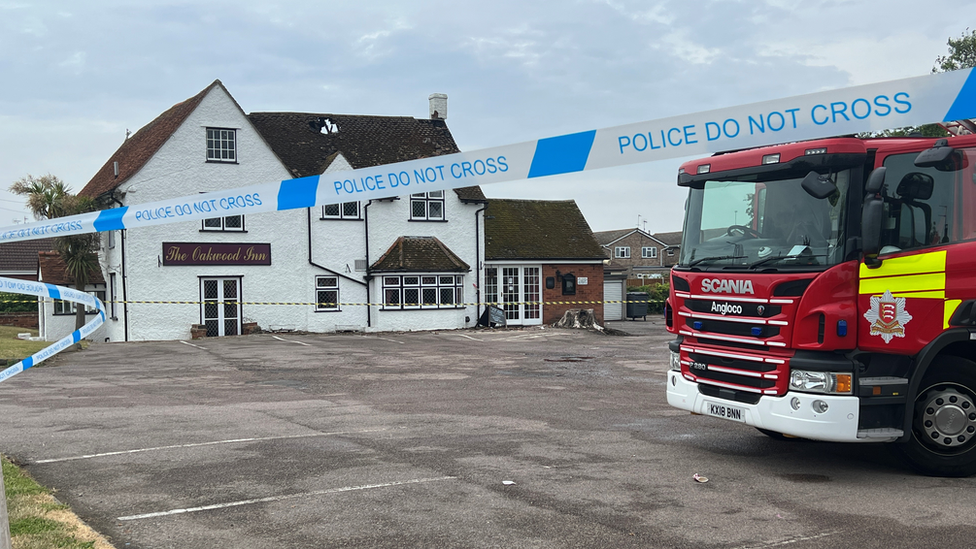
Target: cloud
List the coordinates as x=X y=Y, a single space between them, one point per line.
x=514 y=70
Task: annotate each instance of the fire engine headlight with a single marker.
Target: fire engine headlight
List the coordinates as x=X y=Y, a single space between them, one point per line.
x=820 y=382
x=675 y=360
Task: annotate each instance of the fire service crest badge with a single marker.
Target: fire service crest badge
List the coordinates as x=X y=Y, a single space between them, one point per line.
x=887 y=316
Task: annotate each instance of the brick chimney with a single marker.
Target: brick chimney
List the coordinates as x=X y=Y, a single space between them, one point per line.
x=438 y=106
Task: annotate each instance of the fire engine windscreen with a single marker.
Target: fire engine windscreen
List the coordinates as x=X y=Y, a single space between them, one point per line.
x=773 y=224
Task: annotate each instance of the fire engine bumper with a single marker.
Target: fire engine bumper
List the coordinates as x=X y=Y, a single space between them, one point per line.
x=793 y=414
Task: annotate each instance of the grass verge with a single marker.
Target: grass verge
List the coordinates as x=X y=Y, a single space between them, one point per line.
x=38 y=521
x=13 y=349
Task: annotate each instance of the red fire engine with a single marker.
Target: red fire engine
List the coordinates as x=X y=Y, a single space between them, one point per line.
x=827 y=290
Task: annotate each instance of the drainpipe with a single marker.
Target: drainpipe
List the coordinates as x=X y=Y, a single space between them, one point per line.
x=125 y=295
x=324 y=268
x=477 y=264
x=368 y=277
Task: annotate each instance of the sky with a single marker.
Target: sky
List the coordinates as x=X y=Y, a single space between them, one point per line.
x=74 y=77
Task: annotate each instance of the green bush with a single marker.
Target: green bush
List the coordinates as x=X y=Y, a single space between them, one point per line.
x=656 y=293
x=16 y=303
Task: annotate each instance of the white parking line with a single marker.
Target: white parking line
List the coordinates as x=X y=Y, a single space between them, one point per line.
x=282 y=498
x=471 y=338
x=388 y=339
x=192 y=345
x=789 y=541
x=291 y=341
x=210 y=443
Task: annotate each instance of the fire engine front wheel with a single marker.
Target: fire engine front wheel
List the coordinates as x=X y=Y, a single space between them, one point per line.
x=943 y=441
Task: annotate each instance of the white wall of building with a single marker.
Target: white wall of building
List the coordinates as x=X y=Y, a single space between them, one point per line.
x=52 y=327
x=336 y=245
x=181 y=163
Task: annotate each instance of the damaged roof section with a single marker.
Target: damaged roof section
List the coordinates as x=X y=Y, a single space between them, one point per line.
x=308 y=143
x=419 y=254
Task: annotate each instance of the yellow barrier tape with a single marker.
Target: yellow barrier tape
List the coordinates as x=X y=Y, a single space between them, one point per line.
x=304 y=303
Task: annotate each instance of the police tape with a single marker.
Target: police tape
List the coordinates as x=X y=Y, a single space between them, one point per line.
x=351 y=304
x=51 y=291
x=942 y=97
x=937 y=97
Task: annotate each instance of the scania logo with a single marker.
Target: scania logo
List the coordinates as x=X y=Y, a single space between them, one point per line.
x=726 y=308
x=720 y=286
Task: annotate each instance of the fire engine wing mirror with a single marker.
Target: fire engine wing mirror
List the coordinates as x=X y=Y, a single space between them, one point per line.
x=818 y=186
x=875 y=181
x=871 y=222
x=936 y=156
x=916 y=186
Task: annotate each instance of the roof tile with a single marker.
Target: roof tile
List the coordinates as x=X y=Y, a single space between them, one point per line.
x=307 y=143
x=419 y=254
x=22 y=256
x=142 y=145
x=538 y=229
x=54 y=271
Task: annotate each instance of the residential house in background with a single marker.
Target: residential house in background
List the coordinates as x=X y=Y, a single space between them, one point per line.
x=56 y=318
x=541 y=260
x=414 y=258
x=638 y=255
x=20 y=259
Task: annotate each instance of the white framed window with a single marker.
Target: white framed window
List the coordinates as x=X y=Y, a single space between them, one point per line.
x=427 y=206
x=233 y=223
x=221 y=145
x=649 y=252
x=427 y=291
x=346 y=210
x=69 y=308
x=326 y=293
x=621 y=252
x=670 y=252
x=111 y=239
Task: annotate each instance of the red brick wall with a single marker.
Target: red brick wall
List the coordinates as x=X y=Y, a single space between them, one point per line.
x=592 y=291
x=20 y=320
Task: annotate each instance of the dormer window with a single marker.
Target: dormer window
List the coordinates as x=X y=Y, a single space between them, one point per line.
x=221 y=145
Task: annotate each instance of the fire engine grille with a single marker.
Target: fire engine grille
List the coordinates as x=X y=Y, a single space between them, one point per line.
x=736 y=363
x=739 y=371
x=726 y=377
x=728 y=394
x=732 y=328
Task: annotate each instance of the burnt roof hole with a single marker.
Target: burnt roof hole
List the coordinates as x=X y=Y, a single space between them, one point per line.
x=327 y=126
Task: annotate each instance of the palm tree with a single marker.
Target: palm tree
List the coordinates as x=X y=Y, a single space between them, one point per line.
x=49 y=197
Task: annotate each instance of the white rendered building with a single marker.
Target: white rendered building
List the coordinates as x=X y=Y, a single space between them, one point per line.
x=414 y=259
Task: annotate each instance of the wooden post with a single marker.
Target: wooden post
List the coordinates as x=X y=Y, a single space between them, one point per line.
x=4 y=519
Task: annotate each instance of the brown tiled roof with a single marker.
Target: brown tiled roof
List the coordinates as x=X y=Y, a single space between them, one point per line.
x=606 y=237
x=22 y=256
x=671 y=239
x=419 y=254
x=53 y=270
x=307 y=149
x=141 y=146
x=538 y=229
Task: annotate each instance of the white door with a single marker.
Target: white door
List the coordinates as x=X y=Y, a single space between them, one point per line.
x=517 y=290
x=613 y=290
x=221 y=309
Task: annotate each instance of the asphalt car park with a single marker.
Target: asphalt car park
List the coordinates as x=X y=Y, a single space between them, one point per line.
x=537 y=437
